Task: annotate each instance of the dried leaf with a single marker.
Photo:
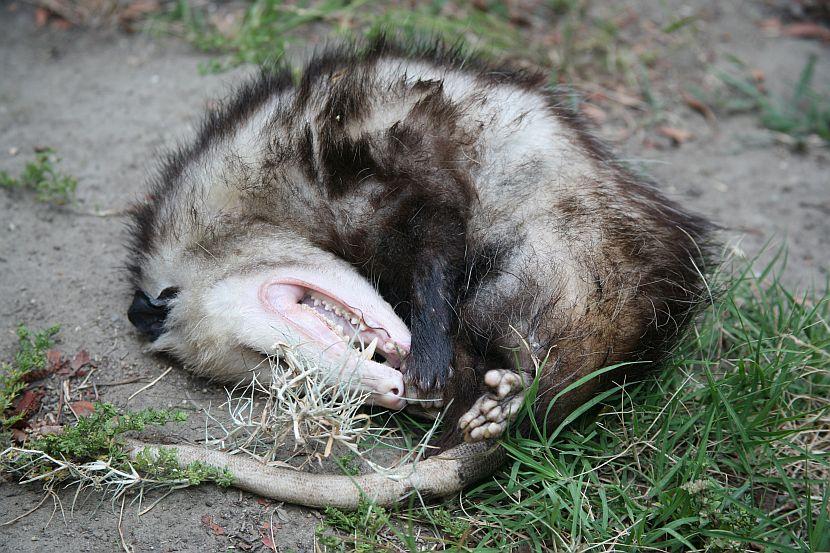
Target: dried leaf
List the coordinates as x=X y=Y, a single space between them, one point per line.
x=678 y=136
x=26 y=405
x=34 y=376
x=807 y=30
x=269 y=543
x=137 y=9
x=207 y=521
x=699 y=107
x=41 y=17
x=626 y=99
x=61 y=24
x=265 y=531
x=18 y=435
x=80 y=359
x=772 y=24
x=82 y=408
x=54 y=360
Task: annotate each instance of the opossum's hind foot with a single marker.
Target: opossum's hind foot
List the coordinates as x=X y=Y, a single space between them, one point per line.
x=492 y=412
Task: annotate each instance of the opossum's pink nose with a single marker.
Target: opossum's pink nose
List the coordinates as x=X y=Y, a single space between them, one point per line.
x=389 y=392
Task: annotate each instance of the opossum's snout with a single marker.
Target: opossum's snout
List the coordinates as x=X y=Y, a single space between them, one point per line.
x=351 y=325
x=148 y=314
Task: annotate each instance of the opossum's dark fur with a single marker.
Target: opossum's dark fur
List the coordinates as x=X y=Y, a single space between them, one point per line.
x=625 y=278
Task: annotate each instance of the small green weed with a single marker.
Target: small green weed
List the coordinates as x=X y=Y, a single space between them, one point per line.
x=449 y=524
x=805 y=113
x=348 y=464
x=92 y=451
x=269 y=28
x=354 y=531
x=30 y=357
x=570 y=37
x=42 y=176
x=97 y=436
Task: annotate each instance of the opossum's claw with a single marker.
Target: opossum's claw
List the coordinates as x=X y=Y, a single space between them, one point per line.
x=421 y=404
x=425 y=379
x=492 y=412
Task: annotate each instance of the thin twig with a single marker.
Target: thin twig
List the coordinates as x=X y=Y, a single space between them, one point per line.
x=27 y=513
x=59 y=408
x=89 y=374
x=67 y=399
x=156 y=502
x=127 y=548
x=150 y=385
x=117 y=383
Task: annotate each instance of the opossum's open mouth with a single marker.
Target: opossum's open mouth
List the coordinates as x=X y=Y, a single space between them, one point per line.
x=354 y=327
x=372 y=343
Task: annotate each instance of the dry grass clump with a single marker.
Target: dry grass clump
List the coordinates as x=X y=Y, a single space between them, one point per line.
x=292 y=400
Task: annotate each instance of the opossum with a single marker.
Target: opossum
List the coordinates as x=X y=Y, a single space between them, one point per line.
x=429 y=224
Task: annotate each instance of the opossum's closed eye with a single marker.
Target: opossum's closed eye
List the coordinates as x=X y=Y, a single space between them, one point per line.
x=148 y=314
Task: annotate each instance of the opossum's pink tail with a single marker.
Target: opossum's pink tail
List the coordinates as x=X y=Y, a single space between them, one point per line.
x=441 y=475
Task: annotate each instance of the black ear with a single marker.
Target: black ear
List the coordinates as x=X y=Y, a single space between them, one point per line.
x=148 y=315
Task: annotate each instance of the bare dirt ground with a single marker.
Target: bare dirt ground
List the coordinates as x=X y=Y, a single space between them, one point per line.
x=108 y=101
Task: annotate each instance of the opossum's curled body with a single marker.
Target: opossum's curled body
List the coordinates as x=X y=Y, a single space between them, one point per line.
x=426 y=221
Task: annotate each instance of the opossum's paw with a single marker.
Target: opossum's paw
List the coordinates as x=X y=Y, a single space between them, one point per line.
x=492 y=412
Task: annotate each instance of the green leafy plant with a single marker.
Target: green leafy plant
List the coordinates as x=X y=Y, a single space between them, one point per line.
x=354 y=531
x=44 y=179
x=92 y=453
x=30 y=357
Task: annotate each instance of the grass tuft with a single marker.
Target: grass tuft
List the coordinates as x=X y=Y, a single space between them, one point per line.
x=804 y=114
x=42 y=176
x=727 y=448
x=353 y=531
x=266 y=30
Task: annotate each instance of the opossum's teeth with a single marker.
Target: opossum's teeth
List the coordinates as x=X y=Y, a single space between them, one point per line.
x=353 y=330
x=369 y=351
